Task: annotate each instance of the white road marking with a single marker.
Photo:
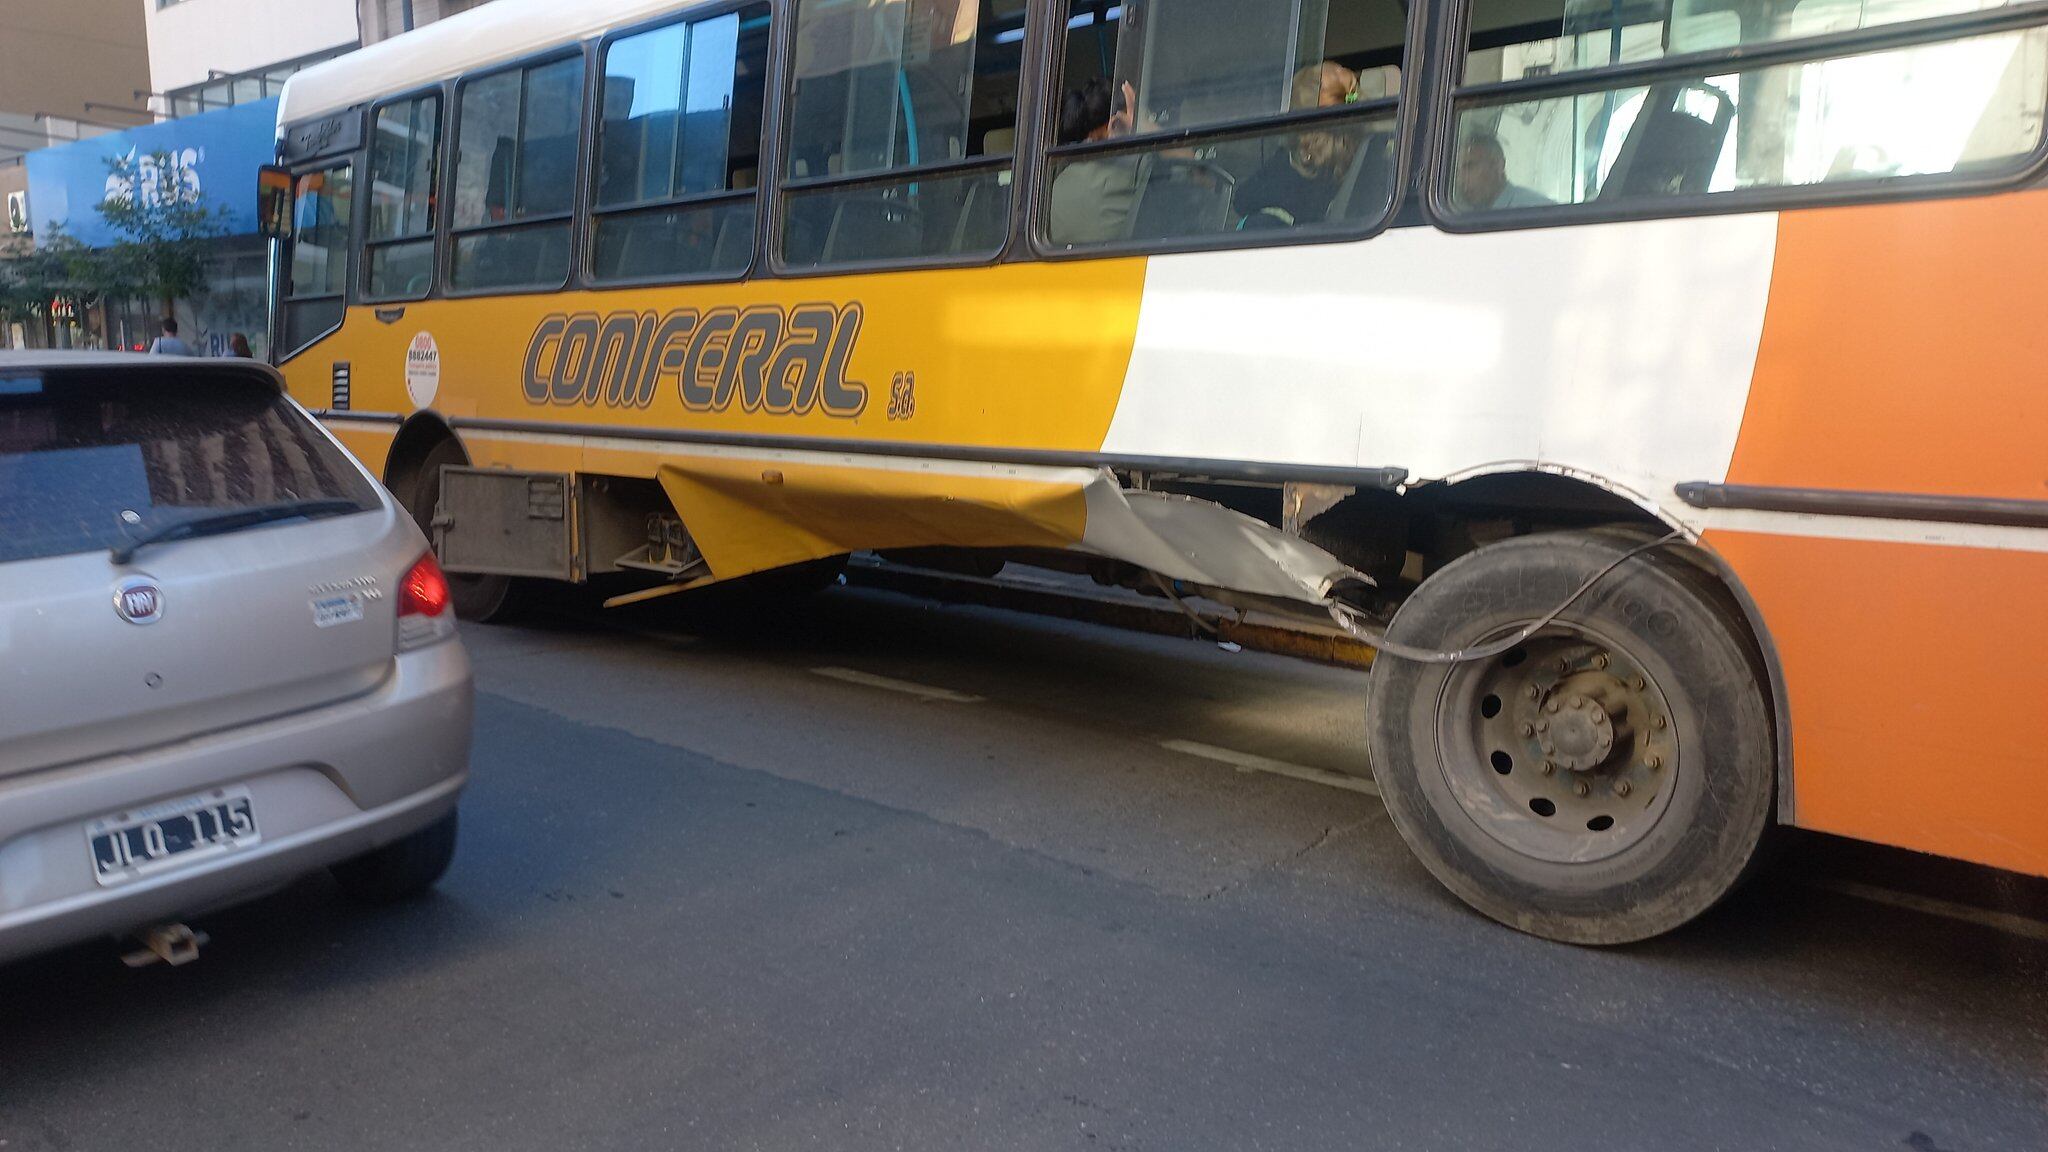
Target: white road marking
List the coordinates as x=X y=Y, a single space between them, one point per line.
x=922 y=691
x=2007 y=922
x=1246 y=762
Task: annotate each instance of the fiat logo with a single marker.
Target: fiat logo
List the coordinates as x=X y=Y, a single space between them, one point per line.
x=138 y=600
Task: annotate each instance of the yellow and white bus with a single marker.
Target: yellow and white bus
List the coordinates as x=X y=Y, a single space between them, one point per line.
x=1667 y=374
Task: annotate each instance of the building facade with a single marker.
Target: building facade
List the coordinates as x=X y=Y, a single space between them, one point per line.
x=205 y=55
x=383 y=19
x=69 y=70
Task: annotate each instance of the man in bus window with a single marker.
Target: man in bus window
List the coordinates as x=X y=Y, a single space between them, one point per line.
x=1092 y=199
x=1482 y=178
x=1298 y=183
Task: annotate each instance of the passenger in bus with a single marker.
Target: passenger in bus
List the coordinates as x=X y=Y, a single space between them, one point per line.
x=1482 y=182
x=1298 y=183
x=1092 y=199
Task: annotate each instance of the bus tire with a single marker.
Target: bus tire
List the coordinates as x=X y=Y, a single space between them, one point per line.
x=1605 y=781
x=479 y=597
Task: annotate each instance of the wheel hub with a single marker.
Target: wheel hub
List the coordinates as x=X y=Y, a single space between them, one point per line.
x=1562 y=748
x=1577 y=735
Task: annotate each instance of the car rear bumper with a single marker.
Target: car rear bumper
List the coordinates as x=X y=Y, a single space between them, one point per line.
x=326 y=785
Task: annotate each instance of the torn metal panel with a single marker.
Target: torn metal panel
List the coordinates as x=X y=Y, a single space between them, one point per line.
x=1301 y=503
x=751 y=514
x=1207 y=545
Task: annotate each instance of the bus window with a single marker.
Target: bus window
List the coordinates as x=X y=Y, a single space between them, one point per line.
x=399 y=245
x=902 y=124
x=321 y=207
x=515 y=176
x=316 y=265
x=1938 y=107
x=1208 y=77
x=679 y=140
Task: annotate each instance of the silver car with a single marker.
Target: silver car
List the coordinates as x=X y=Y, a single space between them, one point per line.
x=227 y=658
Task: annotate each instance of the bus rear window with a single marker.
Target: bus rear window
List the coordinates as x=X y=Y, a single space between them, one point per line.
x=90 y=458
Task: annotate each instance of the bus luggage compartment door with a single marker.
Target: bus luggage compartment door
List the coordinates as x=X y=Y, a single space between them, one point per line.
x=504 y=522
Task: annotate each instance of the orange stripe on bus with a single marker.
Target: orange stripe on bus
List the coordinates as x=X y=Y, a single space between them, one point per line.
x=1904 y=350
x=1918 y=694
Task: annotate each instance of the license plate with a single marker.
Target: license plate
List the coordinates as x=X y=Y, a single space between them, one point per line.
x=331 y=610
x=141 y=841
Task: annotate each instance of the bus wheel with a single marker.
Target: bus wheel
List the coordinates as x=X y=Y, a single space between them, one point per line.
x=1604 y=781
x=482 y=598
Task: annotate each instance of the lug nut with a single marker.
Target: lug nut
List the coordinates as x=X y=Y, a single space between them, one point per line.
x=1550 y=707
x=1579 y=788
x=1578 y=702
x=1534 y=692
x=1622 y=788
x=1564 y=666
x=1546 y=768
x=1659 y=723
x=1600 y=660
x=1543 y=725
x=1653 y=761
x=1528 y=730
x=1637 y=683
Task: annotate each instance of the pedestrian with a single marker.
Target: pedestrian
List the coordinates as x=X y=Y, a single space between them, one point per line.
x=238 y=345
x=168 y=344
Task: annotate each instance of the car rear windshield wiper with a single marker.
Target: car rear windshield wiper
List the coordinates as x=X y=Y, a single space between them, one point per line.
x=208 y=524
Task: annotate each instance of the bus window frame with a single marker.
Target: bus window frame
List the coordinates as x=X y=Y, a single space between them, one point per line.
x=325 y=164
x=1405 y=104
x=576 y=214
x=776 y=203
x=1451 y=98
x=586 y=247
x=436 y=195
x=283 y=301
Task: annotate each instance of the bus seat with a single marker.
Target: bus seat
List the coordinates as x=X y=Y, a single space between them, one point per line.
x=1670 y=151
x=734 y=246
x=870 y=228
x=1245 y=156
x=1364 y=188
x=999 y=141
x=983 y=213
x=1180 y=197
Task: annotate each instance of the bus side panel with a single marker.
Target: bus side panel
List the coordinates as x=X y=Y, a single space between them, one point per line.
x=1015 y=356
x=1902 y=353
x=370 y=443
x=1918 y=697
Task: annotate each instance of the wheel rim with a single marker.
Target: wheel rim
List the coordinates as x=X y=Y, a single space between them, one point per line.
x=1562 y=749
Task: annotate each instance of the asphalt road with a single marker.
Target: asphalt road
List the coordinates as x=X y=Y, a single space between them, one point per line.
x=712 y=897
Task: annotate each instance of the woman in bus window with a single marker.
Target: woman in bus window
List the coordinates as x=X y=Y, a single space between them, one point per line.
x=1298 y=183
x=1092 y=199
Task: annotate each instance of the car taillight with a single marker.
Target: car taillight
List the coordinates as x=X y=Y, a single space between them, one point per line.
x=425 y=614
x=424 y=591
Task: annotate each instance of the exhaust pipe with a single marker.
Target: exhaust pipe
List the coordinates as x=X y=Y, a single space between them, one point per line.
x=173 y=944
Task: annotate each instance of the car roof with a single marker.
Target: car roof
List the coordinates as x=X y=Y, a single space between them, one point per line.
x=36 y=359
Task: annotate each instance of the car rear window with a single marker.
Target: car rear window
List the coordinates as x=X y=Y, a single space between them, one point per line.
x=91 y=457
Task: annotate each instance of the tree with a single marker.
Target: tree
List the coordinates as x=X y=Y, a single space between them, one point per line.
x=154 y=204
x=57 y=275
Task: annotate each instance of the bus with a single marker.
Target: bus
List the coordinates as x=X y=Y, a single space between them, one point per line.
x=1658 y=384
